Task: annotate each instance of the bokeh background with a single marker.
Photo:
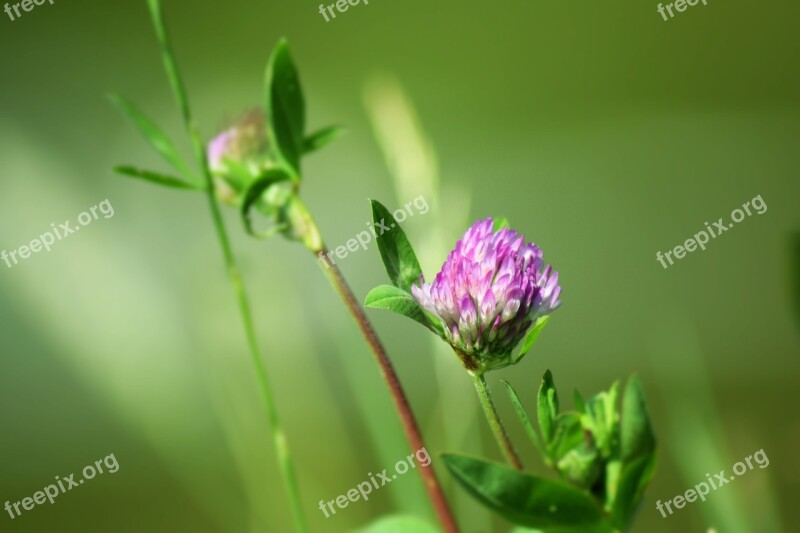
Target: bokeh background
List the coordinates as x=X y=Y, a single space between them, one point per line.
x=602 y=132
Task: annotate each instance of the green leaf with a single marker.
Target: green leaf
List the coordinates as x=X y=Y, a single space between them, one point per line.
x=567 y=435
x=398 y=256
x=612 y=480
x=285 y=107
x=397 y=300
x=601 y=418
x=547 y=407
x=633 y=481
x=531 y=337
x=154 y=135
x=610 y=408
x=638 y=453
x=155 y=177
x=170 y=66
x=636 y=433
x=254 y=193
x=398 y=524
x=322 y=138
x=500 y=223
x=524 y=418
x=524 y=499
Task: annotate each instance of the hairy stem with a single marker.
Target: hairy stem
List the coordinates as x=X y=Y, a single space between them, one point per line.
x=398 y=394
x=278 y=436
x=498 y=429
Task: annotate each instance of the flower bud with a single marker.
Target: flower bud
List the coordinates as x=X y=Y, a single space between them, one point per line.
x=238 y=155
x=582 y=465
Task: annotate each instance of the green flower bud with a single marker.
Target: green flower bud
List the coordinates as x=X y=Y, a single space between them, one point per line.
x=239 y=155
x=582 y=465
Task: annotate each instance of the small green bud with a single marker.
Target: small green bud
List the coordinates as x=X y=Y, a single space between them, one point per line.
x=582 y=465
x=239 y=155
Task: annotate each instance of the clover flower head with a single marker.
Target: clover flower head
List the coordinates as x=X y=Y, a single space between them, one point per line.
x=237 y=153
x=493 y=287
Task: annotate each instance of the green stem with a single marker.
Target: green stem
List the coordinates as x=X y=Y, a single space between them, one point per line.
x=278 y=436
x=498 y=429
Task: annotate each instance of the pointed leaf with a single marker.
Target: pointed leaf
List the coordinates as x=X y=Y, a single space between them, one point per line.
x=285 y=107
x=397 y=300
x=633 y=481
x=532 y=335
x=567 y=435
x=601 y=418
x=524 y=419
x=397 y=254
x=611 y=448
x=155 y=177
x=154 y=135
x=636 y=433
x=254 y=193
x=524 y=499
x=500 y=223
x=547 y=407
x=610 y=407
x=170 y=66
x=322 y=138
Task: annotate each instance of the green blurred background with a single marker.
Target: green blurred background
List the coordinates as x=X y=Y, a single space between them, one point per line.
x=602 y=132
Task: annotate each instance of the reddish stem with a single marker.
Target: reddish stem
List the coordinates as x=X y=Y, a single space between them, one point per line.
x=398 y=394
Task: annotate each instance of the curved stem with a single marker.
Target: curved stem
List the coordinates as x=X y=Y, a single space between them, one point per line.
x=398 y=394
x=498 y=429
x=278 y=436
